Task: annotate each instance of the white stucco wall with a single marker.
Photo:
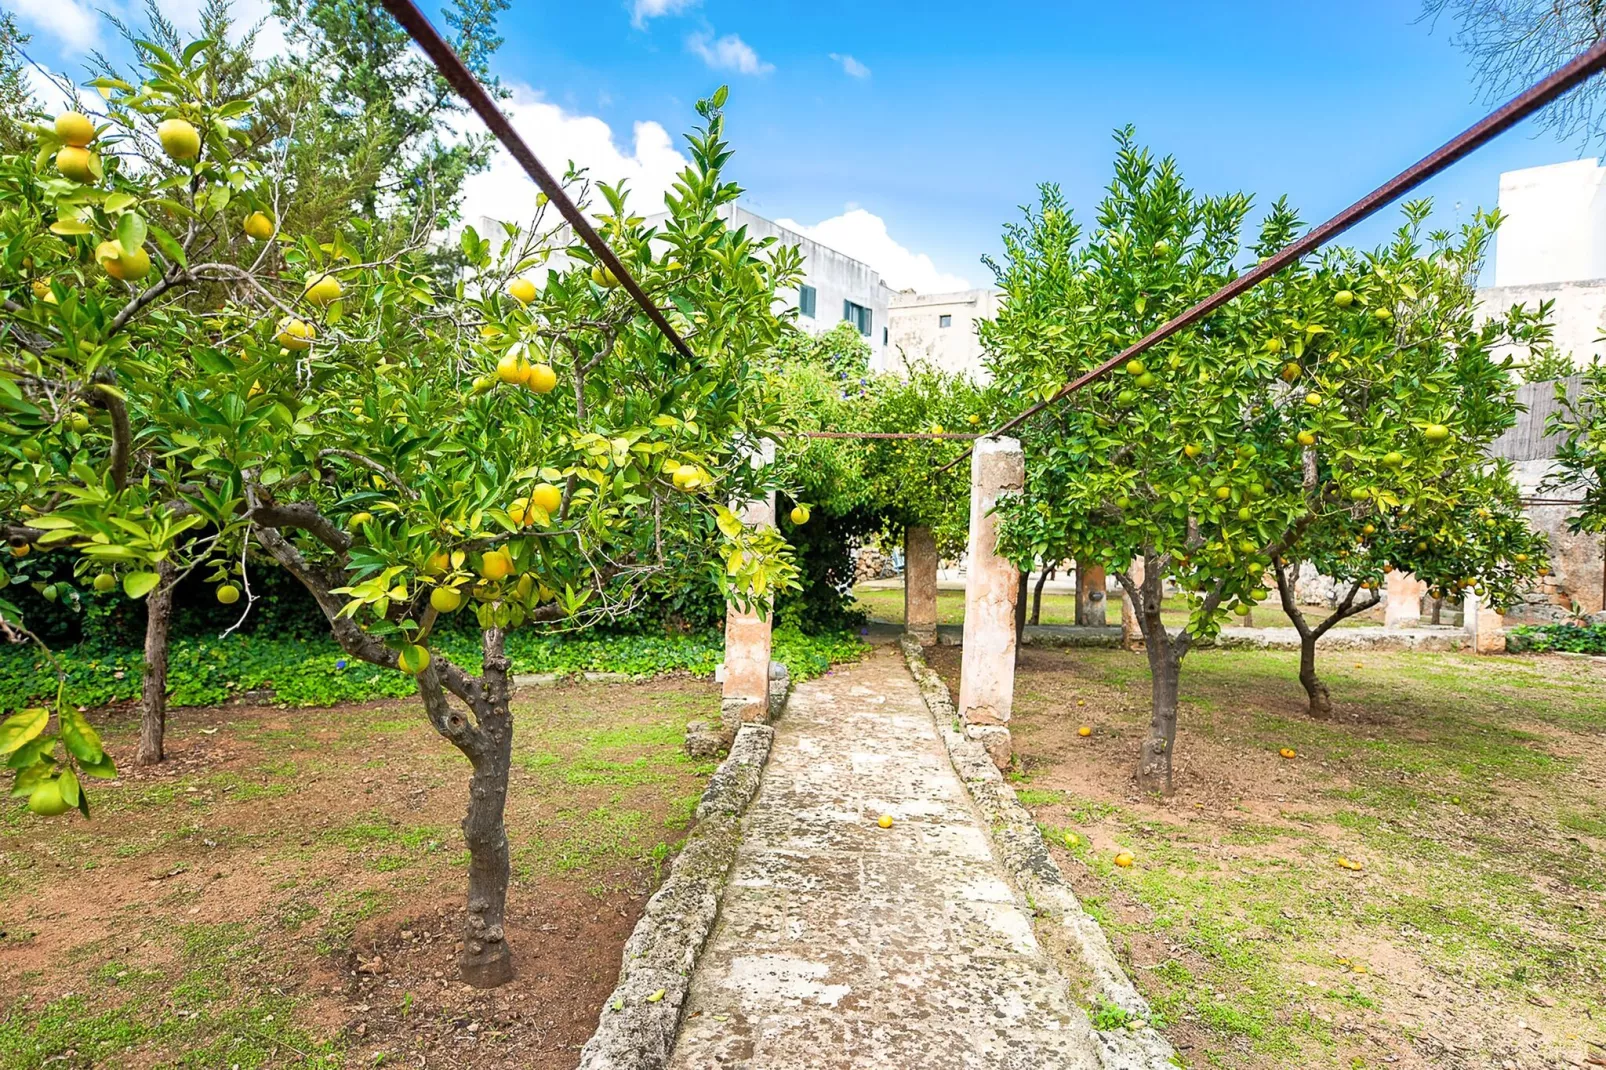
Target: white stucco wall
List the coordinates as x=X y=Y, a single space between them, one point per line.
x=1579 y=314
x=918 y=334
x=1555 y=226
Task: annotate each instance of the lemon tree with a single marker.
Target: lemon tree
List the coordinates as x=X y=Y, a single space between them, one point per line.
x=1108 y=480
x=517 y=444
x=1387 y=392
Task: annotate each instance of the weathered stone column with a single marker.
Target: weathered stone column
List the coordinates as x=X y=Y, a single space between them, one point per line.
x=1485 y=626
x=1091 y=603
x=746 y=672
x=920 y=585
x=1131 y=630
x=1404 y=606
x=987 y=668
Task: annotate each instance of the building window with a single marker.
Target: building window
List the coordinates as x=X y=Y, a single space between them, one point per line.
x=805 y=300
x=945 y=321
x=857 y=315
x=884 y=332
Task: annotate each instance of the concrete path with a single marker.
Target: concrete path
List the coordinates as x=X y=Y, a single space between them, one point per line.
x=844 y=945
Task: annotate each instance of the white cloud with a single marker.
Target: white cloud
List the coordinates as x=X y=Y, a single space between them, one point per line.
x=851 y=66
x=643 y=10
x=75 y=25
x=555 y=136
x=863 y=236
x=729 y=53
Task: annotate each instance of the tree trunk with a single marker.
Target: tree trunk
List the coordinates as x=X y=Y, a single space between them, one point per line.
x=1438 y=610
x=153 y=689
x=1020 y=614
x=1321 y=703
x=1154 y=761
x=486 y=960
x=1037 y=596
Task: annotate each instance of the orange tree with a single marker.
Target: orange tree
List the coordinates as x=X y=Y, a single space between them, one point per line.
x=1385 y=396
x=519 y=444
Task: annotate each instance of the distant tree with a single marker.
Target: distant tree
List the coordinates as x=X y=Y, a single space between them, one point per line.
x=16 y=98
x=1514 y=43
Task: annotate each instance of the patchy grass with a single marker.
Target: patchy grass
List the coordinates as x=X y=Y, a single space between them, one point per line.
x=218 y=911
x=1473 y=934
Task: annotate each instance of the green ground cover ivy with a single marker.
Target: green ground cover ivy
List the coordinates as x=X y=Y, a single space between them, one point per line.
x=205 y=672
x=1567 y=638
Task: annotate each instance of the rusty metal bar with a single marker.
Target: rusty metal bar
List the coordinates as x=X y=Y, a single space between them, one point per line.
x=1474 y=137
x=461 y=79
x=882 y=434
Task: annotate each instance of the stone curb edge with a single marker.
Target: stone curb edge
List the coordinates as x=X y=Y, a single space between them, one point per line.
x=1022 y=851
x=636 y=1029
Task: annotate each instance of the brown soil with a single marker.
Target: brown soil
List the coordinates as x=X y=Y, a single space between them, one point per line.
x=305 y=864
x=1474 y=935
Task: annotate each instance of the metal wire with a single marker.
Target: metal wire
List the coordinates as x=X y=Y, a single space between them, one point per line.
x=468 y=87
x=1474 y=137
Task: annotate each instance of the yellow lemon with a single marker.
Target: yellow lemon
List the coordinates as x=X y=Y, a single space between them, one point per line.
x=228 y=594
x=259 y=225
x=541 y=378
x=295 y=333
x=886 y=821
x=604 y=277
x=75 y=129
x=445 y=599
x=800 y=514
x=1124 y=859
x=121 y=264
x=496 y=565
x=179 y=138
x=413 y=659
x=547 y=497
x=512 y=368
x=521 y=290
x=322 y=289
x=73 y=163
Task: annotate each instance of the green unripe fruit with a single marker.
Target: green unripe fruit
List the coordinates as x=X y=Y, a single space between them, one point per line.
x=1393 y=458
x=1123 y=502
x=1435 y=432
x=445 y=599
x=228 y=594
x=50 y=592
x=78 y=422
x=413 y=659
x=46 y=800
x=104 y=582
x=1244 y=513
x=1382 y=315
x=1126 y=397
x=1360 y=494
x=1223 y=493
x=1344 y=298
x=1145 y=380
x=1135 y=367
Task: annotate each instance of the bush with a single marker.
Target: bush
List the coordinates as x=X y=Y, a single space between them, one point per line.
x=1566 y=638
x=315 y=672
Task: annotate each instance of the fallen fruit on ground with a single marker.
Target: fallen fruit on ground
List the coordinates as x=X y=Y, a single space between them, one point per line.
x=886 y=821
x=1288 y=752
x=1124 y=859
x=1085 y=730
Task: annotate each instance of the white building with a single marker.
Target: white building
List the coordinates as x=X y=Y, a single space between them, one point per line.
x=1552 y=247
x=940 y=329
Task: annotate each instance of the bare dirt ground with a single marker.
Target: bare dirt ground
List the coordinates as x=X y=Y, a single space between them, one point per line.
x=1474 y=933
x=287 y=890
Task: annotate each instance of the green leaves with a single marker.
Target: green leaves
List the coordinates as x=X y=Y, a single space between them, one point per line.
x=20 y=728
x=131 y=232
x=140 y=584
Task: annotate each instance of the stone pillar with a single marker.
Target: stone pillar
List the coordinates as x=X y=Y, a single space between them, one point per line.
x=1404 y=606
x=1485 y=626
x=1090 y=596
x=746 y=672
x=987 y=668
x=1131 y=630
x=920 y=585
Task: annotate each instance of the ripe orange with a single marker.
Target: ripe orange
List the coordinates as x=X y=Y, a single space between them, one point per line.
x=1288 y=752
x=1085 y=730
x=886 y=821
x=1124 y=859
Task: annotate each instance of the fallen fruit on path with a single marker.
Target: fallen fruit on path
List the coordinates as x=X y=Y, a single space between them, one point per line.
x=75 y=129
x=228 y=594
x=179 y=138
x=886 y=821
x=46 y=799
x=413 y=659
x=1072 y=839
x=445 y=599
x=295 y=333
x=1288 y=752
x=1124 y=859
x=322 y=289
x=1085 y=731
x=1349 y=864
x=521 y=290
x=74 y=163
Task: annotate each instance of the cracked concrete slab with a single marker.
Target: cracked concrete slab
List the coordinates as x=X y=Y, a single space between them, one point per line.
x=841 y=944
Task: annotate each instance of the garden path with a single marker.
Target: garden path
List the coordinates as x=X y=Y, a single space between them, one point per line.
x=841 y=944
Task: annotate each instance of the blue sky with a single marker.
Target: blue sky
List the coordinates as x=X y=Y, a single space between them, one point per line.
x=948 y=114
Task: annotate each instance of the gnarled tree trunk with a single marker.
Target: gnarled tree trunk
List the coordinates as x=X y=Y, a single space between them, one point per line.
x=1321 y=702
x=1144 y=584
x=1319 y=699
x=153 y=688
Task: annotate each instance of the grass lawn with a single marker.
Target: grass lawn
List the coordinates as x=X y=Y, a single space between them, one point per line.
x=887 y=605
x=287 y=889
x=1474 y=935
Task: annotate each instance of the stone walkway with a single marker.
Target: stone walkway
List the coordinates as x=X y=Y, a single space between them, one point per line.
x=844 y=945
